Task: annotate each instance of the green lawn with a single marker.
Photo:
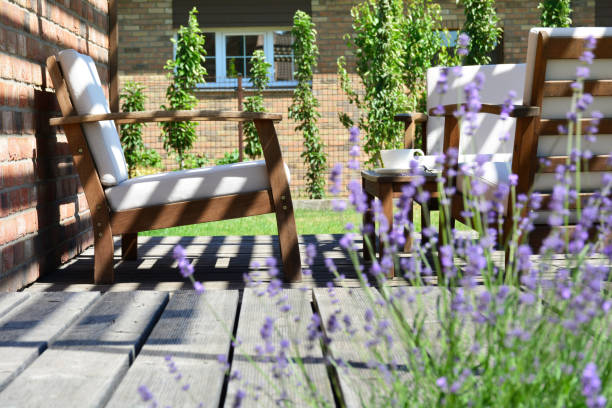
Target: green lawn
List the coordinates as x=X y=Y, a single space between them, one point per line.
x=307 y=222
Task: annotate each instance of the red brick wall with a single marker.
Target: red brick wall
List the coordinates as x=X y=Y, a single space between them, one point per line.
x=517 y=17
x=145 y=28
x=43 y=213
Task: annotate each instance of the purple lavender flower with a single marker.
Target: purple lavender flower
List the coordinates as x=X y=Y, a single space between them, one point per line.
x=314 y=328
x=145 y=393
x=335 y=178
x=582 y=72
x=179 y=252
x=583 y=103
x=463 y=42
x=438 y=110
x=442 y=84
x=354 y=134
x=240 y=395
x=590 y=42
x=185 y=267
x=508 y=106
x=442 y=383
x=591 y=385
x=199 y=288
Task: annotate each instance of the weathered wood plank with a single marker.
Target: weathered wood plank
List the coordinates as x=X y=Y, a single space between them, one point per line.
x=191 y=334
x=27 y=331
x=84 y=365
x=356 y=382
x=8 y=301
x=253 y=313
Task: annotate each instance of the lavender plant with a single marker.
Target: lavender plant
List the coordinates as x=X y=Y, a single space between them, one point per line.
x=536 y=333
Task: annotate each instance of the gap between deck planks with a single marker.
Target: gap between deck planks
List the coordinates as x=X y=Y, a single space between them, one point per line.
x=28 y=328
x=356 y=382
x=189 y=333
x=290 y=325
x=83 y=365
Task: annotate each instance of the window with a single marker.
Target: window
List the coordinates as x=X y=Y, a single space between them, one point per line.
x=229 y=53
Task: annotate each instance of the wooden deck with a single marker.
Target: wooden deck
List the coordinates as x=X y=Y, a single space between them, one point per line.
x=65 y=342
x=88 y=349
x=220 y=262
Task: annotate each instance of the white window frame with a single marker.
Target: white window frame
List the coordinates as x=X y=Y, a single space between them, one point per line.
x=221 y=34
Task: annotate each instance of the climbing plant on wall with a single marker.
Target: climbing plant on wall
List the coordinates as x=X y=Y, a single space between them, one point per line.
x=186 y=71
x=304 y=107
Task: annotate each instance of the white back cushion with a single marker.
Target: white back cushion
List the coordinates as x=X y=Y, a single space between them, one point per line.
x=557 y=107
x=88 y=97
x=500 y=79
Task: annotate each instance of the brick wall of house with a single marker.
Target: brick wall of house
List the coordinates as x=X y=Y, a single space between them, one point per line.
x=145 y=28
x=44 y=217
x=517 y=17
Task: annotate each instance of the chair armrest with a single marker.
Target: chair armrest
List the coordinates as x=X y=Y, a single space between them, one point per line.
x=167 y=116
x=410 y=117
x=519 y=111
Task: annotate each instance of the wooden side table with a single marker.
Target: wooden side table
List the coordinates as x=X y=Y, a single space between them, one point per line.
x=385 y=187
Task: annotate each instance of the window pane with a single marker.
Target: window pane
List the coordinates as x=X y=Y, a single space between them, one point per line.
x=211 y=69
x=209 y=44
x=234 y=45
x=253 y=43
x=234 y=66
x=283 y=56
x=249 y=65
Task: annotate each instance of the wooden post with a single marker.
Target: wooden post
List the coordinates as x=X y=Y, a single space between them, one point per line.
x=240 y=124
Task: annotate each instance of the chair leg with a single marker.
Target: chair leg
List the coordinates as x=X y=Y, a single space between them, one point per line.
x=288 y=242
x=408 y=233
x=368 y=220
x=129 y=246
x=103 y=256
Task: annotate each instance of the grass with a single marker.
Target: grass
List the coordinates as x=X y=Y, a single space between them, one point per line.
x=307 y=222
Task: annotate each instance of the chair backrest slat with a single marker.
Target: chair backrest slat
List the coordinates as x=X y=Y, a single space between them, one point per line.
x=562 y=47
x=599 y=87
x=553 y=57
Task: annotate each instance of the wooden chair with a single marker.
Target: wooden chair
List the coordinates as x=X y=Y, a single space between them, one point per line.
x=552 y=58
x=499 y=79
x=124 y=207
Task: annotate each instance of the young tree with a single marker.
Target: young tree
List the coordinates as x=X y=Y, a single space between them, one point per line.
x=131 y=133
x=394 y=44
x=555 y=13
x=186 y=70
x=425 y=47
x=259 y=79
x=482 y=26
x=379 y=47
x=305 y=104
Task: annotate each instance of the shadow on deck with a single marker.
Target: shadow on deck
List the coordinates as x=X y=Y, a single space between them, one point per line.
x=220 y=262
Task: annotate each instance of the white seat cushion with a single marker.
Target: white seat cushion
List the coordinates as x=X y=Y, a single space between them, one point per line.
x=88 y=97
x=189 y=185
